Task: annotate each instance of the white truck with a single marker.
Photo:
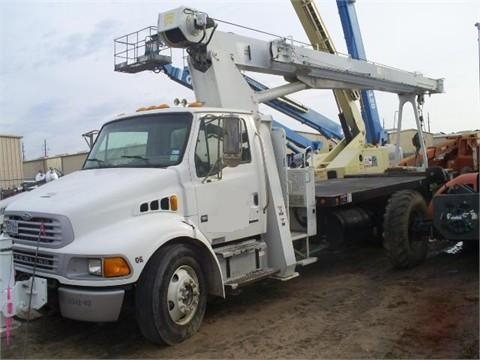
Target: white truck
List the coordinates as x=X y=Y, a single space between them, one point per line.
x=177 y=204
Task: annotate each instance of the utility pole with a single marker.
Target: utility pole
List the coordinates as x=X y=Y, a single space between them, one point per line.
x=23 y=151
x=45 y=148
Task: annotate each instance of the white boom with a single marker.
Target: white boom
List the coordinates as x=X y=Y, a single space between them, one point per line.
x=217 y=59
x=300 y=65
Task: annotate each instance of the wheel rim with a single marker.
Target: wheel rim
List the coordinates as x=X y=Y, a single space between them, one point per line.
x=415 y=235
x=183 y=295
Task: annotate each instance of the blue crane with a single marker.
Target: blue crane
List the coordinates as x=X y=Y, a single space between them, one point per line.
x=351 y=30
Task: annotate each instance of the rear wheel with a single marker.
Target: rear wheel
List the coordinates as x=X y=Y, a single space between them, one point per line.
x=171 y=296
x=404 y=241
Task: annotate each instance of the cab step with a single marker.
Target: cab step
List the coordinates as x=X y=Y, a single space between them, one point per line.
x=237 y=249
x=307 y=261
x=250 y=278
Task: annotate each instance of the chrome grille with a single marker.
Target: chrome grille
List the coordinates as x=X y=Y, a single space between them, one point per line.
x=29 y=230
x=25 y=228
x=27 y=259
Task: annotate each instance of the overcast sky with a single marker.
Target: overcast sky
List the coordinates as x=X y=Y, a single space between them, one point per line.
x=56 y=60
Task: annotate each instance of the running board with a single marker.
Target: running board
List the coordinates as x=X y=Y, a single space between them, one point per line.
x=307 y=261
x=286 y=278
x=250 y=278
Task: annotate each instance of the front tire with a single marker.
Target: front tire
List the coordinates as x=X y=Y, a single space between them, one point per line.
x=404 y=242
x=171 y=296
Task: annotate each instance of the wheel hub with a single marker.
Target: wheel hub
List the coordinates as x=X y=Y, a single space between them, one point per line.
x=183 y=295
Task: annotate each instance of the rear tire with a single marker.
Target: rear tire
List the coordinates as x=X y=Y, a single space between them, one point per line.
x=405 y=245
x=171 y=296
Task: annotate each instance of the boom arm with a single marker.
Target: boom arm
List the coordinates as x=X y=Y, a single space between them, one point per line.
x=213 y=53
x=318 y=35
x=227 y=54
x=351 y=29
x=216 y=60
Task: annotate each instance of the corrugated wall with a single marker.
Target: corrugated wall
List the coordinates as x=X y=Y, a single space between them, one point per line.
x=31 y=167
x=53 y=162
x=406 y=140
x=71 y=163
x=11 y=166
x=65 y=163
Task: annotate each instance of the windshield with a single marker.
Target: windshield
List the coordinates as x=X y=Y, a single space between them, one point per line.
x=156 y=140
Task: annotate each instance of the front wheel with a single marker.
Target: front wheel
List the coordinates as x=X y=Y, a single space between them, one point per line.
x=171 y=296
x=404 y=240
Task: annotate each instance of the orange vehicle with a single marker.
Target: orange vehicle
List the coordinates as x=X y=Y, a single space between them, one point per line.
x=458 y=152
x=469 y=181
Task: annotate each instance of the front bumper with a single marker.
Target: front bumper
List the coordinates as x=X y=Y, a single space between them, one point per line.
x=90 y=304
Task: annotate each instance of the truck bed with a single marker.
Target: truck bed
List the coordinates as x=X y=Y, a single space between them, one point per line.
x=336 y=192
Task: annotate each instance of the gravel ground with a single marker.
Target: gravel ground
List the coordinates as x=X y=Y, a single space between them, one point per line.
x=350 y=304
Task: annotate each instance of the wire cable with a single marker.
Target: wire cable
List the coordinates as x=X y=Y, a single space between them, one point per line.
x=261 y=31
x=41 y=232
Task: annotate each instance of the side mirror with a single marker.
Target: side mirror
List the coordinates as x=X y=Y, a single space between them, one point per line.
x=232 y=141
x=90 y=138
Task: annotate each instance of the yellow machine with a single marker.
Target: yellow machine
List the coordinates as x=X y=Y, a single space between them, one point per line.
x=352 y=155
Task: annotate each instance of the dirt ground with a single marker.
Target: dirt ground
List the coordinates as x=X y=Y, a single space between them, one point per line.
x=350 y=304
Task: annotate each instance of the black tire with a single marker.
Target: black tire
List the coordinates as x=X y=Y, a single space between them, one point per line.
x=152 y=306
x=405 y=245
x=471 y=246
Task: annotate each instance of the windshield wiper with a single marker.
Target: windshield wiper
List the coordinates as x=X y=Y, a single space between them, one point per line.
x=98 y=161
x=135 y=157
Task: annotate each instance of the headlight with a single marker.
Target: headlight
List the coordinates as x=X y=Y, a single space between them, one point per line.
x=95 y=267
x=108 y=267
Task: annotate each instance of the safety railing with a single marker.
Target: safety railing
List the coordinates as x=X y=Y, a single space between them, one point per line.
x=140 y=50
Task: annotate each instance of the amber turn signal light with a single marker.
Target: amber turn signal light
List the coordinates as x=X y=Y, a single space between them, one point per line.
x=115 y=267
x=173 y=203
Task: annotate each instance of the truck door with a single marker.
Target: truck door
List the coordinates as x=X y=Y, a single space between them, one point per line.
x=227 y=197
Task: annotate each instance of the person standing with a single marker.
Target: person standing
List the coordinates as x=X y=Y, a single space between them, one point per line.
x=40 y=177
x=51 y=175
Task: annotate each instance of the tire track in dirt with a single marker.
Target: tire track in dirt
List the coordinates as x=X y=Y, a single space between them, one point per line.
x=350 y=304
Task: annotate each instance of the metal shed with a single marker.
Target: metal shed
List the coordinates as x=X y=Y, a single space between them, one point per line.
x=11 y=166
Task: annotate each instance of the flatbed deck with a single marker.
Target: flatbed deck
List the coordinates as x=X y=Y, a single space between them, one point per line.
x=336 y=192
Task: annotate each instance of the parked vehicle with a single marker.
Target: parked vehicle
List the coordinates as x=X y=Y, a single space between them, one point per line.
x=177 y=204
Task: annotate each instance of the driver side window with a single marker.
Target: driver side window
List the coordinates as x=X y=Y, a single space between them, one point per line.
x=209 y=147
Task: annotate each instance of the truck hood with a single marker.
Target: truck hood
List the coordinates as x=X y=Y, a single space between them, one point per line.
x=97 y=197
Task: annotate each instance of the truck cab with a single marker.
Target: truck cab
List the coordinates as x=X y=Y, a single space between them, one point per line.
x=185 y=180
